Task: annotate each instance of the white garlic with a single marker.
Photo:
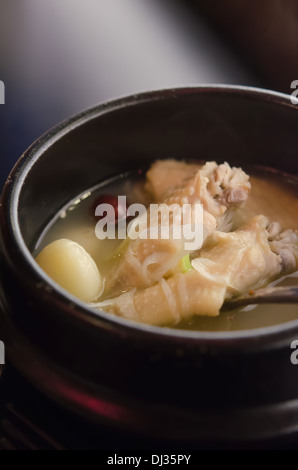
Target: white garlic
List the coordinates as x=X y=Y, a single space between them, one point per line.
x=69 y=264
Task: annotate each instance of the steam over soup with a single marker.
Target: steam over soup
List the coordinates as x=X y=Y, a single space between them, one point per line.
x=170 y=246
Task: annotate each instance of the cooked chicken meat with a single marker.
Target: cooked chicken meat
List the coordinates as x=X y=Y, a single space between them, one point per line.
x=228 y=265
x=167 y=174
x=220 y=189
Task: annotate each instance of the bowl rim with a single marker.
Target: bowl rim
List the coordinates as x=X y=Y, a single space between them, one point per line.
x=12 y=190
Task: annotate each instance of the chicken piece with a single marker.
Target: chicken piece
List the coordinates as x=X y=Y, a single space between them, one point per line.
x=166 y=174
x=285 y=245
x=217 y=188
x=144 y=261
x=230 y=264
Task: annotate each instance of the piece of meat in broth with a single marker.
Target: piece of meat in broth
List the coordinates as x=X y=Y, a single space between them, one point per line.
x=221 y=189
x=230 y=264
x=286 y=246
x=218 y=188
x=167 y=174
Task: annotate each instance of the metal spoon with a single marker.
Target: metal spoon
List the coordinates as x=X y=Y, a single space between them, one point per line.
x=281 y=295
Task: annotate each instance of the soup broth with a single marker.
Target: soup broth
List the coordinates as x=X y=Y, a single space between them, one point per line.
x=273 y=194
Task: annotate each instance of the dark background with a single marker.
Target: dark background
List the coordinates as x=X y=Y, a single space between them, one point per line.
x=57 y=58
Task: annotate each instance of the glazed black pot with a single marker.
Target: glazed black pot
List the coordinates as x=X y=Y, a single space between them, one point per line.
x=170 y=384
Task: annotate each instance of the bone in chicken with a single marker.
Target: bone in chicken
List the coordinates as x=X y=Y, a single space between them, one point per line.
x=219 y=188
x=229 y=264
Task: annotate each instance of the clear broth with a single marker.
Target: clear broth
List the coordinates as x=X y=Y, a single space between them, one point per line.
x=273 y=194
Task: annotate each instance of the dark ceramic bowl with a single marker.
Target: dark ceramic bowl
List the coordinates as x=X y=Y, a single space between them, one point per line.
x=160 y=382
